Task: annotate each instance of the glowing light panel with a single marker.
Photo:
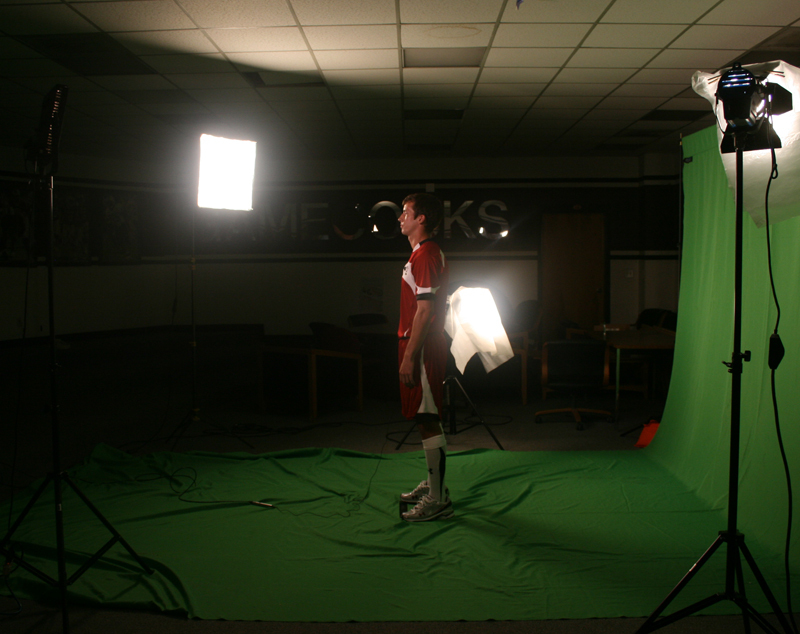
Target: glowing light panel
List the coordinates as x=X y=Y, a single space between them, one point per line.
x=227 y=168
x=474 y=324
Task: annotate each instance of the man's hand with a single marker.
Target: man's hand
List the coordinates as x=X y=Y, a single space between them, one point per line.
x=407 y=372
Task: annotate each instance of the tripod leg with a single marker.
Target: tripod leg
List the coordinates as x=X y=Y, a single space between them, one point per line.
x=773 y=602
x=24 y=513
x=743 y=595
x=474 y=409
x=648 y=625
x=107 y=524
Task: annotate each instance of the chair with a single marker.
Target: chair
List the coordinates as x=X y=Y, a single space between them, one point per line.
x=575 y=367
x=327 y=341
x=523 y=333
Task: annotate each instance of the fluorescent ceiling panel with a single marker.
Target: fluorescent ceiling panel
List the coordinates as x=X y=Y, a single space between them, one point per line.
x=445 y=35
x=442 y=57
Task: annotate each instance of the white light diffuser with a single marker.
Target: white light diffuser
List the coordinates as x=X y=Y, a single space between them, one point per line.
x=474 y=325
x=227 y=167
x=784 y=191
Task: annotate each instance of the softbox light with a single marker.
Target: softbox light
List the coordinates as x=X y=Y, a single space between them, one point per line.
x=785 y=191
x=227 y=167
x=474 y=325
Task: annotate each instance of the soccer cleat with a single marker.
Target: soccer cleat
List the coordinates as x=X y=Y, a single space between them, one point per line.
x=412 y=497
x=428 y=509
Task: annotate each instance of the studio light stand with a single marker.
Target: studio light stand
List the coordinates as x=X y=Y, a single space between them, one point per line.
x=43 y=151
x=451 y=383
x=744 y=129
x=226 y=175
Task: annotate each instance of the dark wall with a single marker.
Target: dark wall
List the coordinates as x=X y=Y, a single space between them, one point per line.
x=97 y=224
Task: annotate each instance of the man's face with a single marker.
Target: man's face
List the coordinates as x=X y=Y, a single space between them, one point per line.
x=409 y=221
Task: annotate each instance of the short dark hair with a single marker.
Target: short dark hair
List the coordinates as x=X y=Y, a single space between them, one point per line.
x=430 y=207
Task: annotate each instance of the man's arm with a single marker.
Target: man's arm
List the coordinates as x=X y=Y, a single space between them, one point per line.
x=419 y=330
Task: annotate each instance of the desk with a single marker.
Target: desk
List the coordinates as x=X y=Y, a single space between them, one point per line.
x=641 y=339
x=311 y=354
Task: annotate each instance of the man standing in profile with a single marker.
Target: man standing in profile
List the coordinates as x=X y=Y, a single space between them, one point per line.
x=423 y=350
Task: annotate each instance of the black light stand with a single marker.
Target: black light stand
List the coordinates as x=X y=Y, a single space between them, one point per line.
x=734 y=540
x=449 y=407
x=193 y=415
x=43 y=151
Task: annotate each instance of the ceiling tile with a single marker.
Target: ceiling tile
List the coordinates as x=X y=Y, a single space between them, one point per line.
x=528 y=57
x=693 y=58
x=517 y=75
x=439 y=75
x=442 y=11
x=657 y=11
x=207 y=81
x=578 y=90
x=763 y=12
x=663 y=76
x=138 y=15
x=445 y=35
x=613 y=114
x=612 y=57
x=224 y=95
x=358 y=60
x=42 y=20
x=283 y=78
x=723 y=37
x=493 y=116
x=341 y=12
x=639 y=36
x=238 y=13
x=351 y=37
x=561 y=11
x=630 y=103
x=134 y=82
x=567 y=102
x=508 y=90
x=501 y=102
x=649 y=90
x=436 y=103
x=32 y=68
x=205 y=63
x=11 y=49
x=295 y=93
x=368 y=92
x=362 y=77
x=594 y=75
x=163 y=42
x=287 y=61
x=371 y=108
x=541 y=35
x=414 y=91
x=687 y=103
x=258 y=39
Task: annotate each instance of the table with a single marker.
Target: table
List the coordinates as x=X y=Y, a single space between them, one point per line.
x=645 y=338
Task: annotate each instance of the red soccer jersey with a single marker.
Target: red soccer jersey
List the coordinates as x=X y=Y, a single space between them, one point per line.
x=425 y=276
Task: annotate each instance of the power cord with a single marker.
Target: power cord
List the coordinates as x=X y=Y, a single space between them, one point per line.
x=775 y=356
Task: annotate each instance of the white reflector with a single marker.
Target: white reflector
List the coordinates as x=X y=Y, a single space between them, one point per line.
x=475 y=326
x=227 y=167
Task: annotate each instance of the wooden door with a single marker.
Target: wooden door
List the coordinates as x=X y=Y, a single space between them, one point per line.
x=572 y=265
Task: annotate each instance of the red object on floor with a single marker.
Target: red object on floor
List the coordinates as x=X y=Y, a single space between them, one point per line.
x=648 y=433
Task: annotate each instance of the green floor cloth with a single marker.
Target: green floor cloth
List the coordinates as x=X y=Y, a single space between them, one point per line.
x=536 y=535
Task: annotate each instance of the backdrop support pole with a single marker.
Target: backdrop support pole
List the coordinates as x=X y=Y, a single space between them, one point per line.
x=733 y=539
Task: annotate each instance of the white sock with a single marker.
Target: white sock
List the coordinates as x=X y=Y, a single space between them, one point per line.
x=435 y=449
